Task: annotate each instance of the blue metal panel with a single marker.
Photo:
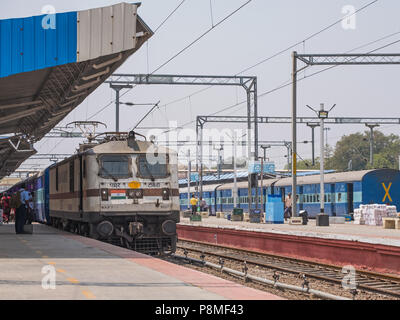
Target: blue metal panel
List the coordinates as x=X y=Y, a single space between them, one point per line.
x=26 y=46
x=382 y=187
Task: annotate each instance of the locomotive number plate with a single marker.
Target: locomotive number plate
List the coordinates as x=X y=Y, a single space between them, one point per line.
x=115 y=185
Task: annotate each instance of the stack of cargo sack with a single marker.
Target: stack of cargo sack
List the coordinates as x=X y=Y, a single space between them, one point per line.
x=372 y=214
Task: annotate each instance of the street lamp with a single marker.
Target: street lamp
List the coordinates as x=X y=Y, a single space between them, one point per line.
x=322 y=218
x=264 y=147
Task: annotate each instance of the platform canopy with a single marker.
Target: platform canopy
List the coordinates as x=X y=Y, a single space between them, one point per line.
x=49 y=64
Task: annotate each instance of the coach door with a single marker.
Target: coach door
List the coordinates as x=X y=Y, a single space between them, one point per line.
x=283 y=194
x=331 y=199
x=301 y=202
x=350 y=208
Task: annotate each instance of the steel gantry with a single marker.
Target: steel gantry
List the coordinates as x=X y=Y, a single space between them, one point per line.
x=246 y=82
x=311 y=122
x=326 y=60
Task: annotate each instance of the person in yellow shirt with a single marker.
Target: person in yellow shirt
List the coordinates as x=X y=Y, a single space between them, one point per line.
x=193 y=202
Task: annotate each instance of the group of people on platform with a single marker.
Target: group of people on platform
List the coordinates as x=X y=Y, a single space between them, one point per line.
x=18 y=207
x=204 y=206
x=196 y=204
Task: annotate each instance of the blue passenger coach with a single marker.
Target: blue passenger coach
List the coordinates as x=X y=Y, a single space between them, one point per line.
x=344 y=192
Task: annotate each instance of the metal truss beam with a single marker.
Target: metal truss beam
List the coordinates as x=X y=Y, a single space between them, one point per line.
x=48 y=156
x=305 y=120
x=330 y=60
x=348 y=59
x=126 y=79
x=248 y=83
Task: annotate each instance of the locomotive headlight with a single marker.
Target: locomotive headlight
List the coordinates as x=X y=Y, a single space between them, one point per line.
x=104 y=194
x=135 y=194
x=138 y=193
x=165 y=194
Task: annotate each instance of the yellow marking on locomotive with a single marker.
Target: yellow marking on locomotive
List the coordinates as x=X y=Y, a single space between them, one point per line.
x=387 y=192
x=134 y=185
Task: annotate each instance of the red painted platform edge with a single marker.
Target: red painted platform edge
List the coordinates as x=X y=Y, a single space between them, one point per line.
x=222 y=287
x=361 y=255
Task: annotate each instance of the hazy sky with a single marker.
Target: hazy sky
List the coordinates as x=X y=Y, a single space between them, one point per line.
x=258 y=31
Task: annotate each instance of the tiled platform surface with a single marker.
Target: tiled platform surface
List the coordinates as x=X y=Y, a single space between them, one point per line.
x=88 y=269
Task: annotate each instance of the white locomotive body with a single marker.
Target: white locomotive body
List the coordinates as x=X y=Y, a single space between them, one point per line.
x=124 y=190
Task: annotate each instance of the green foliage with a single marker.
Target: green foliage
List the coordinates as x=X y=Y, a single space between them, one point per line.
x=354 y=150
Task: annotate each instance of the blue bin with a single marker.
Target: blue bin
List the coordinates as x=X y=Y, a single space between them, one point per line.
x=274 y=210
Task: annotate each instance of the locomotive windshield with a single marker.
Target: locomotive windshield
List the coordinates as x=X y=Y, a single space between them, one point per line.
x=115 y=166
x=156 y=168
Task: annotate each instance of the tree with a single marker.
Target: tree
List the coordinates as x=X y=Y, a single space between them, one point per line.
x=356 y=147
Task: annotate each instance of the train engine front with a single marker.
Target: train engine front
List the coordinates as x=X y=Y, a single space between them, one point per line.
x=129 y=194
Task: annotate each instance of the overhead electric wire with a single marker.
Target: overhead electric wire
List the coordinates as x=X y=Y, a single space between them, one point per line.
x=289 y=82
x=169 y=16
x=112 y=101
x=180 y=52
x=159 y=26
x=278 y=53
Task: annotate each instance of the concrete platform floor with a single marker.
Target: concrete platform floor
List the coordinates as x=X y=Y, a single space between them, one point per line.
x=88 y=269
x=347 y=231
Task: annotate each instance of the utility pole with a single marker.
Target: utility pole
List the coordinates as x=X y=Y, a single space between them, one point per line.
x=188 y=177
x=263 y=160
x=219 y=160
x=313 y=126
x=326 y=142
x=322 y=218
x=326 y=136
x=234 y=171
x=371 y=142
x=117 y=89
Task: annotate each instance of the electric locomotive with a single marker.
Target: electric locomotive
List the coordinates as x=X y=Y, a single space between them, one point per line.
x=122 y=190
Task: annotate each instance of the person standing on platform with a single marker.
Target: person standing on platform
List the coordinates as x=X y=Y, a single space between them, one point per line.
x=288 y=206
x=203 y=205
x=15 y=204
x=31 y=209
x=20 y=203
x=193 y=202
x=5 y=203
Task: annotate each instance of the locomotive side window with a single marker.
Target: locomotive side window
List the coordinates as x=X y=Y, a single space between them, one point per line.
x=149 y=170
x=115 y=166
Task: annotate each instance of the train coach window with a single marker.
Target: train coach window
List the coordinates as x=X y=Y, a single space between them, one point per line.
x=115 y=166
x=153 y=169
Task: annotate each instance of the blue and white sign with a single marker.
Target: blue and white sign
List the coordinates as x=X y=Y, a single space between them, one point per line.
x=194 y=176
x=255 y=167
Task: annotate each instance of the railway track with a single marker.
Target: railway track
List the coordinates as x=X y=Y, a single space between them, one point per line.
x=368 y=281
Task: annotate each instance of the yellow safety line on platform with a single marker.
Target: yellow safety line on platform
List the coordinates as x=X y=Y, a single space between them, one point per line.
x=60 y=270
x=52 y=263
x=88 y=294
x=73 y=280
